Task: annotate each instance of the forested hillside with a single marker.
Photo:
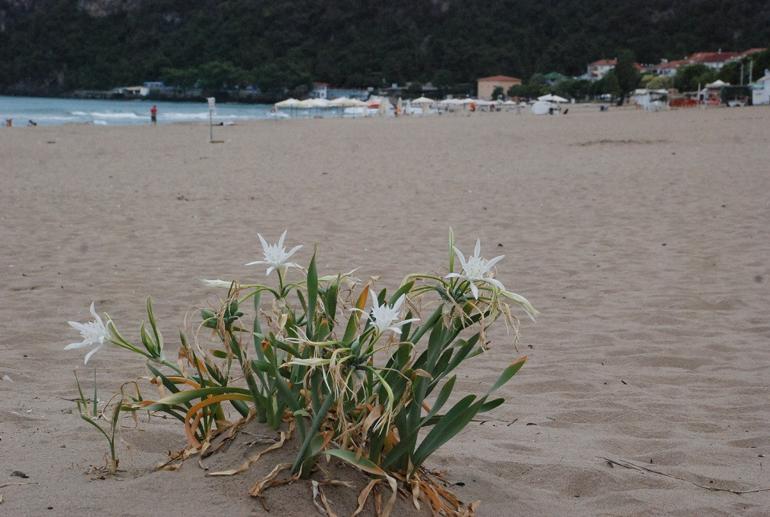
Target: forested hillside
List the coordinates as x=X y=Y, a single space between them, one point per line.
x=60 y=45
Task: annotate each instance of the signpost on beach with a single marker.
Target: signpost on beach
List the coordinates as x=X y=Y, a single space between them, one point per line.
x=212 y=107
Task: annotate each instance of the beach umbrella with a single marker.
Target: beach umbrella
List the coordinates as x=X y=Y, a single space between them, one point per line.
x=717 y=84
x=423 y=100
x=552 y=98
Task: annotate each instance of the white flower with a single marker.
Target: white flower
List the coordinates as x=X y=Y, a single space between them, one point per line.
x=384 y=317
x=94 y=333
x=477 y=269
x=216 y=283
x=276 y=255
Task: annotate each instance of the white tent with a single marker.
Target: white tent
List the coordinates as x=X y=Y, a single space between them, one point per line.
x=541 y=108
x=552 y=98
x=320 y=103
x=288 y=103
x=717 y=84
x=342 y=102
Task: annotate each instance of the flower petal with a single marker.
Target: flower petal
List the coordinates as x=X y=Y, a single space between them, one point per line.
x=491 y=263
x=80 y=327
x=256 y=262
x=262 y=241
x=292 y=251
x=495 y=282
x=474 y=290
x=477 y=248
x=96 y=316
x=270 y=270
x=280 y=241
x=75 y=346
x=92 y=352
x=460 y=256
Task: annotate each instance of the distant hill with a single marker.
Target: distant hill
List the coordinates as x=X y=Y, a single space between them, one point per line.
x=60 y=45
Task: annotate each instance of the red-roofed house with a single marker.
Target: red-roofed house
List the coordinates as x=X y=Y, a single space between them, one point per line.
x=751 y=51
x=600 y=68
x=669 y=68
x=715 y=60
x=487 y=85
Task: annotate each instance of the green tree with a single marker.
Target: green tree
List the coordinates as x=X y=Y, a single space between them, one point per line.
x=660 y=82
x=442 y=79
x=498 y=92
x=607 y=85
x=689 y=77
x=626 y=73
x=573 y=88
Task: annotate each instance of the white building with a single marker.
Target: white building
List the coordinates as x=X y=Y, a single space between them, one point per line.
x=320 y=91
x=760 y=90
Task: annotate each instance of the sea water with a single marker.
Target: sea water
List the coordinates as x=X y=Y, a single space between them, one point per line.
x=54 y=111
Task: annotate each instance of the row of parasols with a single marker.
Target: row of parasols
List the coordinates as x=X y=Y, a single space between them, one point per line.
x=345 y=102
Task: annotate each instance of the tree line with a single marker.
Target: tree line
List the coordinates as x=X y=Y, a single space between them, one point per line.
x=57 y=46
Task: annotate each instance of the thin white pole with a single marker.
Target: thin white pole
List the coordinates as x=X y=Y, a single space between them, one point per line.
x=211 y=126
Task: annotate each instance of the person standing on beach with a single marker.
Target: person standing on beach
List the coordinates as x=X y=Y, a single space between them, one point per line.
x=154 y=114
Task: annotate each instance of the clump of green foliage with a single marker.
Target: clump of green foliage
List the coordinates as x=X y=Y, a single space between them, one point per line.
x=362 y=376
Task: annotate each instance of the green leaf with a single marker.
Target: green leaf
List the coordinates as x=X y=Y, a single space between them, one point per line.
x=422 y=329
x=330 y=303
x=260 y=365
x=449 y=425
x=362 y=463
x=257 y=327
x=166 y=382
x=302 y=455
x=507 y=374
x=154 y=325
x=312 y=296
x=443 y=396
x=147 y=341
x=489 y=406
x=183 y=397
x=209 y=318
x=401 y=290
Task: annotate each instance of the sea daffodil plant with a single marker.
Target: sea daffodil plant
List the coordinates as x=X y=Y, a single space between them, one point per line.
x=368 y=386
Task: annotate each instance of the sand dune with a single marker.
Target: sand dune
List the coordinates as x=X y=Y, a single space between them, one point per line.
x=642 y=238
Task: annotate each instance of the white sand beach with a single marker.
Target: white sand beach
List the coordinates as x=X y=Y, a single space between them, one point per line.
x=643 y=239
